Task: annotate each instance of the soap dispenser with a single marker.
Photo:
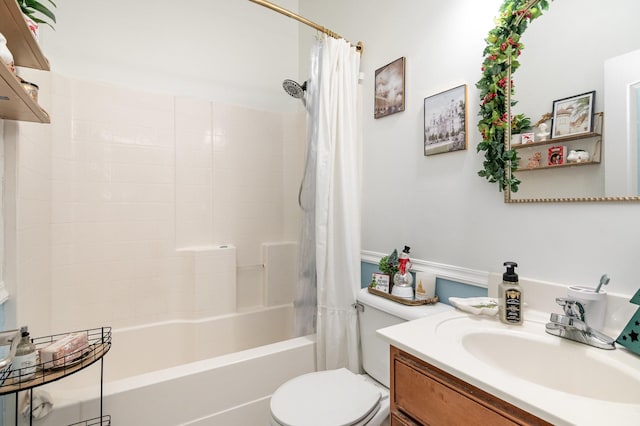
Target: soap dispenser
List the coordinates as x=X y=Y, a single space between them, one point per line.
x=24 y=361
x=510 y=296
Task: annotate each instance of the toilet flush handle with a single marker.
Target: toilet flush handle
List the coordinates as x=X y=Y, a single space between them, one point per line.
x=358 y=306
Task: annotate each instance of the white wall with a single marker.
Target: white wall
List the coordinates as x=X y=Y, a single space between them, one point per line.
x=231 y=51
x=437 y=204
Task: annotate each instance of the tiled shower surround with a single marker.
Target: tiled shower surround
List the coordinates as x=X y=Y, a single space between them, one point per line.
x=124 y=204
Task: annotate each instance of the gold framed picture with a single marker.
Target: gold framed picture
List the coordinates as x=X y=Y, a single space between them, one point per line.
x=389 y=88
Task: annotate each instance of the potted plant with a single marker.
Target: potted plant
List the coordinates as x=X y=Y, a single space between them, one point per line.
x=389 y=264
x=520 y=123
x=36 y=13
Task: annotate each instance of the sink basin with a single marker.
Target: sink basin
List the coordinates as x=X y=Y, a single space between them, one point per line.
x=563 y=366
x=543 y=374
x=528 y=353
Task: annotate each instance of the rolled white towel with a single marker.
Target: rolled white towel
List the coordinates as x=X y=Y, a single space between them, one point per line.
x=42 y=404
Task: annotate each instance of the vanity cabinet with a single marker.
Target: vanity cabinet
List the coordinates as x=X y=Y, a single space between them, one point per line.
x=422 y=394
x=15 y=102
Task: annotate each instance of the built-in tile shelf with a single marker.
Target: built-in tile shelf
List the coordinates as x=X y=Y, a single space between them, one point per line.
x=15 y=103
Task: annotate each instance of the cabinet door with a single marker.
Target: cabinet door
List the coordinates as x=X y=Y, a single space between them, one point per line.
x=430 y=396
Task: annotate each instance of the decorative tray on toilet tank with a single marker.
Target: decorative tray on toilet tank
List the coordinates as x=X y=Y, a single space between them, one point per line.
x=410 y=302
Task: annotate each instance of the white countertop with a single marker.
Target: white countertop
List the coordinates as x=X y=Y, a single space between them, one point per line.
x=602 y=397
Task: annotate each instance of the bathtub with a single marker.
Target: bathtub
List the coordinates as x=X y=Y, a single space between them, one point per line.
x=216 y=371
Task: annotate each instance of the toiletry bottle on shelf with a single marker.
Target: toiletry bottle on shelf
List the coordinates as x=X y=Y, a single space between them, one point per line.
x=24 y=361
x=510 y=296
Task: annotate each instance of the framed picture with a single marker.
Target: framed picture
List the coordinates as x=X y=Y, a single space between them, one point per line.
x=445 y=121
x=381 y=282
x=573 y=115
x=389 y=89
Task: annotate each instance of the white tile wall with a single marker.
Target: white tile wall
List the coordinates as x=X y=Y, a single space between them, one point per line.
x=121 y=179
x=113 y=209
x=194 y=167
x=247 y=179
x=215 y=281
x=250 y=287
x=281 y=272
x=33 y=210
x=294 y=142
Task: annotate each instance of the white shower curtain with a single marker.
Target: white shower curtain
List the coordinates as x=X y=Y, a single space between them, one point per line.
x=306 y=301
x=338 y=205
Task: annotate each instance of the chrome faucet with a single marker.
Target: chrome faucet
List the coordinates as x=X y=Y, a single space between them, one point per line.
x=572 y=326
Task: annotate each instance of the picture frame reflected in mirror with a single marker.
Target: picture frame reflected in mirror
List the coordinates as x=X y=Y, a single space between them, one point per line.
x=573 y=115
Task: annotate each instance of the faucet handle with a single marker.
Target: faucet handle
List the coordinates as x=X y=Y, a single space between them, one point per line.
x=571 y=308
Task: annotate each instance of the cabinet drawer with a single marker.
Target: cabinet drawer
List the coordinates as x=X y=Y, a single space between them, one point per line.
x=397 y=419
x=433 y=397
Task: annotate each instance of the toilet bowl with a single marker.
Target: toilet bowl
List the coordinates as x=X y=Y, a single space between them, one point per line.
x=355 y=400
x=340 y=397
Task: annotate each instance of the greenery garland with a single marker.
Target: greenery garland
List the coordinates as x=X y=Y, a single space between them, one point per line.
x=501 y=60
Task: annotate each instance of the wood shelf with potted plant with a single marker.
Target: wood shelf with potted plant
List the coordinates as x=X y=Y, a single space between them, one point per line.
x=15 y=102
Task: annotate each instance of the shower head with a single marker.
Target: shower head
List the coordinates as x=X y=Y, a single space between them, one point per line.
x=294 y=89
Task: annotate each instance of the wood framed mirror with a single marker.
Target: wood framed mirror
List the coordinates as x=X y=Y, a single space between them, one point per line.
x=576 y=47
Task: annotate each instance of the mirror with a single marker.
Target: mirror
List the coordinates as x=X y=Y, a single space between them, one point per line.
x=576 y=47
x=622 y=83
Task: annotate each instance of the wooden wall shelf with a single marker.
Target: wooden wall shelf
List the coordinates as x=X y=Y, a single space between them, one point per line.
x=15 y=103
x=557 y=166
x=557 y=141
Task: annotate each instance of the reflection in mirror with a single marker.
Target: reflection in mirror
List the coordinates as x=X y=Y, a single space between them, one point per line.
x=622 y=82
x=564 y=55
x=636 y=93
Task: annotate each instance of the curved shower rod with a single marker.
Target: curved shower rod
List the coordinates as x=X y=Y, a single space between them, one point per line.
x=359 y=46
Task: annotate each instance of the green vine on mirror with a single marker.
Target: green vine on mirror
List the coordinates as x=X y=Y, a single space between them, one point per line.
x=36 y=11
x=496 y=87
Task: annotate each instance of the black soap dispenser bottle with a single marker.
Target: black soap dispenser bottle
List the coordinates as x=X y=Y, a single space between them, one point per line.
x=510 y=296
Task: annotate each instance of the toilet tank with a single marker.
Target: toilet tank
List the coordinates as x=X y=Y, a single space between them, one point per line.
x=376 y=313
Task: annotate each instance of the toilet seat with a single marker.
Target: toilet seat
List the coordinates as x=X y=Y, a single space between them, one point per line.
x=333 y=397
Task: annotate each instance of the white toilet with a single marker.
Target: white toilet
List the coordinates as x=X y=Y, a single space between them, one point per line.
x=339 y=397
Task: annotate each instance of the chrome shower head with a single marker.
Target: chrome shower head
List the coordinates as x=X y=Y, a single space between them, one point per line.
x=294 y=89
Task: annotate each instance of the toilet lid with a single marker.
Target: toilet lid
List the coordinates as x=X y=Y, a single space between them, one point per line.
x=333 y=397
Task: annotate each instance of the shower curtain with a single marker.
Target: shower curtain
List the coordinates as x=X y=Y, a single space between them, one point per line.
x=306 y=300
x=334 y=104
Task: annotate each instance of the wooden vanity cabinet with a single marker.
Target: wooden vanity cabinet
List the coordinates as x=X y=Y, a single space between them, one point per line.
x=422 y=394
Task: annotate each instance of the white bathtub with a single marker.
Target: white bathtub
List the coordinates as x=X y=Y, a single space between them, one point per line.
x=217 y=371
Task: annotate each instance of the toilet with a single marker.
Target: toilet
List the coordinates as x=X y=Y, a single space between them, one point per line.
x=340 y=397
